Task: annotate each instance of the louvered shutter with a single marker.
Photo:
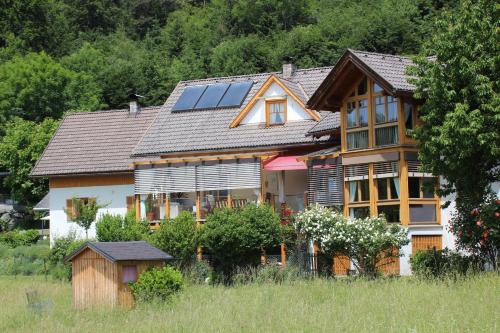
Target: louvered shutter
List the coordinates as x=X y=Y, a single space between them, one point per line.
x=356 y=172
x=414 y=169
x=324 y=179
x=385 y=169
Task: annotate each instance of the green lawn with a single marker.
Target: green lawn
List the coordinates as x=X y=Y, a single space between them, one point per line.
x=400 y=305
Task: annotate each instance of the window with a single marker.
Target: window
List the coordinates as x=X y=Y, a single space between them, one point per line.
x=72 y=206
x=421 y=187
x=182 y=202
x=409 y=114
x=357 y=123
x=423 y=213
x=388 y=188
x=359 y=212
x=276 y=112
x=359 y=190
x=129 y=273
x=391 y=212
x=152 y=206
x=386 y=117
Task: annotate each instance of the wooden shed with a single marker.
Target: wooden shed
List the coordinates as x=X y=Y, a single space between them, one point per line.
x=102 y=270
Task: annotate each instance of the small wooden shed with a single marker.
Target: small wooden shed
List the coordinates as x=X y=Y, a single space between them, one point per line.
x=102 y=270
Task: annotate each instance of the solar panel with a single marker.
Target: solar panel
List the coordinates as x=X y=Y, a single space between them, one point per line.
x=212 y=96
x=236 y=93
x=189 y=98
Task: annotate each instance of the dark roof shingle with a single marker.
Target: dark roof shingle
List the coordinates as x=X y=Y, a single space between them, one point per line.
x=120 y=251
x=94 y=142
x=328 y=123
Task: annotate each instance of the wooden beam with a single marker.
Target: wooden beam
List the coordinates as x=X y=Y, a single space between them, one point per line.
x=404 y=208
x=137 y=207
x=167 y=205
x=283 y=254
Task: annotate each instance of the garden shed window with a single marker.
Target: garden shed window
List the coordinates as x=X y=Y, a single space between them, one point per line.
x=129 y=273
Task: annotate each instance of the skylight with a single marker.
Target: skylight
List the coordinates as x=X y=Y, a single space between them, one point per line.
x=220 y=95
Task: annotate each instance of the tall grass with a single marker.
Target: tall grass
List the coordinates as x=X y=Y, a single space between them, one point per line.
x=386 y=305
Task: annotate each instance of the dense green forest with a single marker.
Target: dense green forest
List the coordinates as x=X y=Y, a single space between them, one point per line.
x=59 y=56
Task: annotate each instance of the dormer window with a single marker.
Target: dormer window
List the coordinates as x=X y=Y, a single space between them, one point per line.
x=275 y=112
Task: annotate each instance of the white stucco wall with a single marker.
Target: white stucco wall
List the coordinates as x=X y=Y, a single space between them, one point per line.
x=113 y=196
x=258 y=112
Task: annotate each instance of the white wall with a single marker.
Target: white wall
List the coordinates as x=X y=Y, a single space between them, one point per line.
x=113 y=196
x=258 y=112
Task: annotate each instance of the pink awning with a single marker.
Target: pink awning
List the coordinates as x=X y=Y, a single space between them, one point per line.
x=284 y=163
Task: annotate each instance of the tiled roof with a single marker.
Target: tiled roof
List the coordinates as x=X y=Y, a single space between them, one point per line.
x=391 y=68
x=43 y=204
x=328 y=123
x=191 y=131
x=94 y=142
x=323 y=152
x=120 y=251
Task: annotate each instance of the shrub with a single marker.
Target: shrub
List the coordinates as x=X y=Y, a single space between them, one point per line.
x=157 y=284
x=179 y=238
x=62 y=248
x=237 y=237
x=17 y=238
x=199 y=272
x=24 y=260
x=366 y=242
x=441 y=263
x=116 y=228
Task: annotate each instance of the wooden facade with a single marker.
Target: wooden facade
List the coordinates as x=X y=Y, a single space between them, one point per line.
x=97 y=281
x=95 y=180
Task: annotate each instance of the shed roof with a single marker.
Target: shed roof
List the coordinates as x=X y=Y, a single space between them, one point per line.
x=94 y=142
x=121 y=251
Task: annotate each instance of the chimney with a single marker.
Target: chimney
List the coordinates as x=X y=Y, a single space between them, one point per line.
x=134 y=106
x=288 y=70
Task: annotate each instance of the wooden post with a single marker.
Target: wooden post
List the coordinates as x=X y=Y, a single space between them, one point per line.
x=403 y=185
x=229 y=199
x=283 y=254
x=262 y=183
x=167 y=206
x=199 y=251
x=137 y=207
x=372 y=190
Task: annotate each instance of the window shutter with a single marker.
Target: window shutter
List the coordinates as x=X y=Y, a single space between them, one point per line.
x=69 y=209
x=130 y=203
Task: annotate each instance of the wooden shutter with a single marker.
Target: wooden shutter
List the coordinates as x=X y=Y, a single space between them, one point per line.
x=426 y=242
x=390 y=265
x=341 y=265
x=69 y=209
x=130 y=203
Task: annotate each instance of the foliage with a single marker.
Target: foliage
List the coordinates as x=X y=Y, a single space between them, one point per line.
x=24 y=260
x=17 y=238
x=199 y=272
x=178 y=237
x=478 y=227
x=157 y=284
x=35 y=87
x=84 y=213
x=116 y=228
x=62 y=248
x=442 y=263
x=267 y=274
x=459 y=138
x=20 y=148
x=237 y=237
x=366 y=242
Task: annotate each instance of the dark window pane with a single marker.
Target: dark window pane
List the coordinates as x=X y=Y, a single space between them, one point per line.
x=428 y=185
x=408 y=110
x=391 y=212
x=351 y=114
x=414 y=187
x=235 y=94
x=359 y=212
x=380 y=109
x=189 y=98
x=363 y=112
x=394 y=184
x=357 y=140
x=392 y=108
x=382 y=188
x=212 y=96
x=362 y=87
x=422 y=213
x=386 y=135
x=365 y=190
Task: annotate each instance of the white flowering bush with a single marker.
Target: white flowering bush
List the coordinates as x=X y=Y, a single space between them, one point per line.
x=366 y=242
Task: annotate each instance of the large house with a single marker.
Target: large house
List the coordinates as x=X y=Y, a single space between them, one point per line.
x=332 y=135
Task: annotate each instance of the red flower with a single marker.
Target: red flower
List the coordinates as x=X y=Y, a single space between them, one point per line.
x=475 y=212
x=478 y=223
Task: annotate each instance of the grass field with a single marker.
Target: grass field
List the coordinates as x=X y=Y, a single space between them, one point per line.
x=399 y=305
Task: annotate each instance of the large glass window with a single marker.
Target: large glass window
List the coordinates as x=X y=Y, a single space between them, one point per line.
x=409 y=115
x=423 y=213
x=421 y=187
x=182 y=202
x=359 y=190
x=388 y=188
x=391 y=212
x=152 y=206
x=387 y=135
x=211 y=200
x=386 y=118
x=357 y=117
x=359 y=212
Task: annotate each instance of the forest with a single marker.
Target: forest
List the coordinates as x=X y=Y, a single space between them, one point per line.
x=59 y=56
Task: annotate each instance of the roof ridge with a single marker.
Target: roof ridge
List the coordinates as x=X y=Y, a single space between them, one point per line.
x=152 y=107
x=380 y=54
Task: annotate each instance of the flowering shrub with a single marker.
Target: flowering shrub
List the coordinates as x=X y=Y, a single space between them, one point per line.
x=366 y=242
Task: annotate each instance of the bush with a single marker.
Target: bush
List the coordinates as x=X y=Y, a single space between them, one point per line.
x=24 y=260
x=116 y=228
x=441 y=263
x=17 y=238
x=179 y=238
x=62 y=248
x=157 y=284
x=200 y=272
x=237 y=237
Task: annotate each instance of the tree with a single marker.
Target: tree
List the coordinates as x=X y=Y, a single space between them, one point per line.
x=84 y=213
x=366 y=242
x=20 y=148
x=35 y=86
x=178 y=237
x=238 y=237
x=117 y=228
x=460 y=137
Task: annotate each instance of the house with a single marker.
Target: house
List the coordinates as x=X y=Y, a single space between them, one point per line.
x=101 y=271
x=331 y=135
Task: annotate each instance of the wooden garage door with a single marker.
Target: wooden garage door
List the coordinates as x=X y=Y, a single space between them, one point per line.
x=427 y=242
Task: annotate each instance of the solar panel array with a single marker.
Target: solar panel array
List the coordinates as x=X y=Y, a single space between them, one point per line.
x=220 y=95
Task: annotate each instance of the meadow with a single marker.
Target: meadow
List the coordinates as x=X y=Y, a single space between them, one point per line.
x=384 y=305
